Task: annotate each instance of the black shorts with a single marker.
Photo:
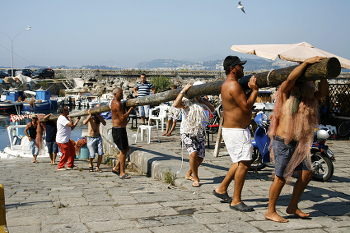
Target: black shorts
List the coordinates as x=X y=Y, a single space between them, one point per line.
x=120 y=138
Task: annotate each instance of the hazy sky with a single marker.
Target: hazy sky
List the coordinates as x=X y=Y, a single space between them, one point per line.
x=125 y=32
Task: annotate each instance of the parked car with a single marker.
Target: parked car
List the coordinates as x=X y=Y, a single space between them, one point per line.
x=3 y=74
x=9 y=72
x=27 y=72
x=43 y=73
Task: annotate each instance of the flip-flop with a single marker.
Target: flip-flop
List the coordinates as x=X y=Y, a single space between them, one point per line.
x=125 y=177
x=242 y=207
x=98 y=170
x=91 y=169
x=189 y=178
x=224 y=196
x=115 y=172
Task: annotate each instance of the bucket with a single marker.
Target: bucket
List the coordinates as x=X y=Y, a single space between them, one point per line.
x=84 y=153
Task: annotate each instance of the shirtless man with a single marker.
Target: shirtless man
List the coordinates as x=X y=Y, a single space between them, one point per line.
x=120 y=137
x=292 y=138
x=94 y=139
x=237 y=115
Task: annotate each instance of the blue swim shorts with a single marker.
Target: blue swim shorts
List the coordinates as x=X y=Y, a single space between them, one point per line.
x=283 y=153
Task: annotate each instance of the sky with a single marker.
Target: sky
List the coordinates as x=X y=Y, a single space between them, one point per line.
x=123 y=33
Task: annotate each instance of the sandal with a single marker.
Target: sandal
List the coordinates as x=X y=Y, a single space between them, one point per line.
x=91 y=169
x=115 y=172
x=98 y=170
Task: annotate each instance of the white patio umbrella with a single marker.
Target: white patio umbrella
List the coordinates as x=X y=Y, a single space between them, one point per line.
x=290 y=52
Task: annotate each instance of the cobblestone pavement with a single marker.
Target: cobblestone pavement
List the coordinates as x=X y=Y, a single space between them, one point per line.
x=41 y=199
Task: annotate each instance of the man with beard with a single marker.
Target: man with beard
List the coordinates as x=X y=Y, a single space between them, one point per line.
x=237 y=115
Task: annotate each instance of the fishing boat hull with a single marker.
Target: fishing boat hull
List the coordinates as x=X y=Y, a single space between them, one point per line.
x=10 y=107
x=41 y=105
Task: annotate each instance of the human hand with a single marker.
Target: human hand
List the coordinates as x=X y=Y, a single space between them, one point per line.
x=30 y=139
x=252 y=83
x=313 y=60
x=89 y=112
x=188 y=86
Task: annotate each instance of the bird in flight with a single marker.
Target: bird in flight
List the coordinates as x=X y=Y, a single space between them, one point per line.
x=241 y=7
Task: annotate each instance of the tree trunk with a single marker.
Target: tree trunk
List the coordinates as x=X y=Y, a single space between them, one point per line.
x=326 y=69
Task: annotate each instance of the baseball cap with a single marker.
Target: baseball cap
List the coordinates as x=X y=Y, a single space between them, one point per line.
x=232 y=61
x=34 y=116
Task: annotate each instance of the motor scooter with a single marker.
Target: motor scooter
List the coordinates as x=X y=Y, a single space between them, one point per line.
x=322 y=157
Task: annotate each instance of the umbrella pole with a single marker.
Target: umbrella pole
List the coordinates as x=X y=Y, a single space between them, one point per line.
x=326 y=69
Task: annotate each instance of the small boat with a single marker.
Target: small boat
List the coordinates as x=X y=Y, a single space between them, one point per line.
x=42 y=101
x=19 y=144
x=9 y=105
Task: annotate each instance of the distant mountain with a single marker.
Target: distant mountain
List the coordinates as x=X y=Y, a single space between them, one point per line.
x=251 y=65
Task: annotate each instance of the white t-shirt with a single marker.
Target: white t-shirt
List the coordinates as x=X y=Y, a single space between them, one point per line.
x=63 y=130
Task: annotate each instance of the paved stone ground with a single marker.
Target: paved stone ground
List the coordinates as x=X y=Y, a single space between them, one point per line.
x=41 y=199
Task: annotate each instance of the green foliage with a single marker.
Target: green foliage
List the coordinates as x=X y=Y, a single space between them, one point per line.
x=44 y=84
x=160 y=83
x=170 y=177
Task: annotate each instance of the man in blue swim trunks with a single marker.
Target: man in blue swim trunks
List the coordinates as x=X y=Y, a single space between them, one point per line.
x=120 y=137
x=291 y=131
x=94 y=139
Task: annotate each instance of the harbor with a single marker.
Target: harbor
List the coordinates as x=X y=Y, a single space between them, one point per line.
x=41 y=199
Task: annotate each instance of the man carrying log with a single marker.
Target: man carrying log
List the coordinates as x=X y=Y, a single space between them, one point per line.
x=291 y=132
x=120 y=137
x=94 y=139
x=237 y=115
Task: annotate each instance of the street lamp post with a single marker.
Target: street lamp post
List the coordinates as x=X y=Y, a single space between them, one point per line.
x=12 y=46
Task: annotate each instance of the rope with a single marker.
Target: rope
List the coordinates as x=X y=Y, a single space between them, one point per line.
x=268 y=77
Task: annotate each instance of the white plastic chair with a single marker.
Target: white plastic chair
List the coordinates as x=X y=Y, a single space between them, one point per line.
x=142 y=128
x=161 y=117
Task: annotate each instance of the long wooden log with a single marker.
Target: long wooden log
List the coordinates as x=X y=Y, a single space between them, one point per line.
x=326 y=69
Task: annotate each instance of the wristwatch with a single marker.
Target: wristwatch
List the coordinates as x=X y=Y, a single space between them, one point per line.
x=181 y=92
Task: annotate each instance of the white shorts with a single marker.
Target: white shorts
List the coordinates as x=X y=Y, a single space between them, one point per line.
x=238 y=143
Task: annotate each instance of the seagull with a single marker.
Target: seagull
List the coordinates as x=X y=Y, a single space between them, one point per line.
x=241 y=7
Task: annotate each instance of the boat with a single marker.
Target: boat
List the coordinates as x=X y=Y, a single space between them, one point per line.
x=42 y=101
x=19 y=144
x=9 y=105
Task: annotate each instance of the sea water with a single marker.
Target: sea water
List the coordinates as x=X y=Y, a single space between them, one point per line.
x=5 y=121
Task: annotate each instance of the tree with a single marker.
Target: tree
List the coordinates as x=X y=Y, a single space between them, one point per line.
x=160 y=83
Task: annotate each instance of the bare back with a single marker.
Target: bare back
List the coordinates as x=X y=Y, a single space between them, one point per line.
x=236 y=113
x=119 y=118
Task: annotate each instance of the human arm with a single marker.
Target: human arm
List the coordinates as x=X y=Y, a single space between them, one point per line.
x=240 y=97
x=25 y=131
x=86 y=120
x=47 y=117
x=71 y=124
x=102 y=120
x=287 y=85
x=135 y=90
x=153 y=90
x=207 y=103
x=178 y=101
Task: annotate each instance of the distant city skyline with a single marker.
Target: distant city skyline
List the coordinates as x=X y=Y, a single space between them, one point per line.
x=125 y=33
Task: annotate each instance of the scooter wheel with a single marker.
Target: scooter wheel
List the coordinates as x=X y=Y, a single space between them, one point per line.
x=322 y=166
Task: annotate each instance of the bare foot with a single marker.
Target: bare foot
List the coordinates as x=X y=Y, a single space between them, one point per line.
x=189 y=178
x=165 y=134
x=275 y=217
x=168 y=134
x=195 y=184
x=298 y=212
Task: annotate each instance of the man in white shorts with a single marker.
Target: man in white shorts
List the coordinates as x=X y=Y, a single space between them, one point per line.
x=237 y=115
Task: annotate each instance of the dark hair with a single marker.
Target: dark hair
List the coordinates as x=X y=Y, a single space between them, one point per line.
x=232 y=61
x=143 y=74
x=61 y=110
